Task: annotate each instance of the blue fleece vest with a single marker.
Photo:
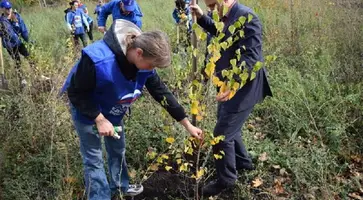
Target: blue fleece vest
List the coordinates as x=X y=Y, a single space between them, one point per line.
x=75 y=18
x=8 y=34
x=114 y=94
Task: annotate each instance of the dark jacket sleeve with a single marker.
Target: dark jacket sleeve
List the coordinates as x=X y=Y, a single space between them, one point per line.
x=83 y=83
x=161 y=94
x=207 y=24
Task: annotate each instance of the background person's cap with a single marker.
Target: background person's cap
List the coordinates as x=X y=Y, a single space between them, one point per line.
x=129 y=5
x=5 y=4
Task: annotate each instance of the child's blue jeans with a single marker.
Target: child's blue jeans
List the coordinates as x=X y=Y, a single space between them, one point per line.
x=97 y=186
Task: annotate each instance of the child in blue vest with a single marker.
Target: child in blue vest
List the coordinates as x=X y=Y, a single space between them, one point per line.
x=12 y=29
x=101 y=87
x=82 y=6
x=77 y=23
x=182 y=15
x=120 y=9
x=84 y=9
x=98 y=8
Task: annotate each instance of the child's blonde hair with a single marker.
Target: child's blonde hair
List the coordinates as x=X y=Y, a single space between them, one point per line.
x=155 y=46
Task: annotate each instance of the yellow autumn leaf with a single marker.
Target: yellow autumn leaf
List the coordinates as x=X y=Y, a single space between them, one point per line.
x=153 y=167
x=231 y=94
x=183 y=167
x=170 y=140
x=200 y=173
x=159 y=160
x=224 y=87
x=217 y=156
x=235 y=86
x=194 y=109
x=178 y=161
x=190 y=151
x=165 y=156
x=151 y=155
x=168 y=168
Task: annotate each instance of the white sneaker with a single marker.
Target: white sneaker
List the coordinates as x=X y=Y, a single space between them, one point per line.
x=23 y=84
x=134 y=190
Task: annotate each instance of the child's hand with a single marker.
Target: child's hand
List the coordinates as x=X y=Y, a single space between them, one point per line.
x=193 y=131
x=104 y=127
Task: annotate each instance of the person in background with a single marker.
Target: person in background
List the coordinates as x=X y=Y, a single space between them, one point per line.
x=82 y=6
x=182 y=15
x=90 y=30
x=77 y=23
x=232 y=113
x=12 y=31
x=98 y=8
x=120 y=9
x=102 y=86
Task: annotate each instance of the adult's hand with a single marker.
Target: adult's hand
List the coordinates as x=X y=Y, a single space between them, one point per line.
x=224 y=96
x=196 y=10
x=102 y=29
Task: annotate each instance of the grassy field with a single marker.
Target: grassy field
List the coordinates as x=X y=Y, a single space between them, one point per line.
x=306 y=141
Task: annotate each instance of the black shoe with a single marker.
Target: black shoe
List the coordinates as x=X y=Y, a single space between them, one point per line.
x=215 y=187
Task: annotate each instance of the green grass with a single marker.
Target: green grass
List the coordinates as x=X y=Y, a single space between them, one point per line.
x=311 y=127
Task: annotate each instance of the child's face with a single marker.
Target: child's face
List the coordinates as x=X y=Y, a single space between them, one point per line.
x=75 y=5
x=8 y=11
x=135 y=57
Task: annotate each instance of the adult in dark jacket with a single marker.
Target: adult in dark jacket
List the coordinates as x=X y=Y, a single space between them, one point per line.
x=120 y=9
x=101 y=87
x=232 y=113
x=12 y=29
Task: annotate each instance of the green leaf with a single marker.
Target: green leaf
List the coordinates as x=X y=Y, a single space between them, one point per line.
x=242 y=20
x=203 y=36
x=230 y=41
x=238 y=51
x=257 y=66
x=231 y=29
x=233 y=62
x=253 y=75
x=195 y=26
x=195 y=52
x=237 y=24
x=225 y=73
x=236 y=70
x=220 y=36
x=225 y=10
x=241 y=33
x=215 y=16
x=243 y=64
x=224 y=45
x=250 y=17
x=220 y=26
x=244 y=76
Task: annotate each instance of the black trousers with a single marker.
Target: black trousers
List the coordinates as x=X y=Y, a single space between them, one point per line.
x=236 y=157
x=90 y=32
x=15 y=53
x=82 y=37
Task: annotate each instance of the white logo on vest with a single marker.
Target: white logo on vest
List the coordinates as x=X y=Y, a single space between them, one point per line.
x=124 y=103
